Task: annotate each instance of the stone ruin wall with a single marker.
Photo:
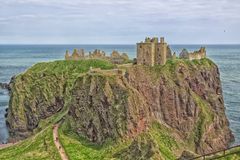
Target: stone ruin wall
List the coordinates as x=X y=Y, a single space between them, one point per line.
x=115 y=57
x=197 y=54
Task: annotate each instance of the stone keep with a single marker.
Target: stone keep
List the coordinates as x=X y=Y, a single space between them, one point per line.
x=152 y=52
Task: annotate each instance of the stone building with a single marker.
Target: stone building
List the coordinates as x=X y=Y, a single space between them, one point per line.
x=152 y=52
x=201 y=53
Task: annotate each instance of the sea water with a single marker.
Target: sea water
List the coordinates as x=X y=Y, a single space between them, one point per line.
x=14 y=59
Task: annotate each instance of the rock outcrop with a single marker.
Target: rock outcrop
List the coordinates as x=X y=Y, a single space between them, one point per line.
x=184 y=96
x=4 y=86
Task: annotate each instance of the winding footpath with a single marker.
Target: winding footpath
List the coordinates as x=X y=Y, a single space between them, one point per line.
x=58 y=144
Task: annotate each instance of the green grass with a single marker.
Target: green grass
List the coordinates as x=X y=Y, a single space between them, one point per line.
x=166 y=144
x=205 y=118
x=232 y=154
x=68 y=67
x=78 y=148
x=38 y=147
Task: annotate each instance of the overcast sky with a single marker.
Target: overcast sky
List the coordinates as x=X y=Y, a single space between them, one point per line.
x=119 y=21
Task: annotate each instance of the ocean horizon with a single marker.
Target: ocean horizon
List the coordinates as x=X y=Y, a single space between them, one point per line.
x=16 y=58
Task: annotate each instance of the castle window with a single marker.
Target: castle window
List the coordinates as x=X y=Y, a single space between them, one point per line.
x=140 y=46
x=158 y=49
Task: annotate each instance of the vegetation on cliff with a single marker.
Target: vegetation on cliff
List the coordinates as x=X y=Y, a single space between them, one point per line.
x=42 y=91
x=38 y=147
x=146 y=112
x=156 y=142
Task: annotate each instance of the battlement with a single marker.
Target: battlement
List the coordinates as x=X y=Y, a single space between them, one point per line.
x=153 y=40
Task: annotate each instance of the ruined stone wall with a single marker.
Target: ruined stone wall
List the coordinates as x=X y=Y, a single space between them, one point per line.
x=198 y=54
x=77 y=55
x=169 y=52
x=201 y=53
x=115 y=57
x=98 y=54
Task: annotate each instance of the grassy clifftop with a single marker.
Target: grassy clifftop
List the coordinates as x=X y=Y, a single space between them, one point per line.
x=146 y=112
x=42 y=91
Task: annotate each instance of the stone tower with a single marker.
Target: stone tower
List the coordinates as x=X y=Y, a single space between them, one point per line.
x=152 y=52
x=75 y=55
x=67 y=55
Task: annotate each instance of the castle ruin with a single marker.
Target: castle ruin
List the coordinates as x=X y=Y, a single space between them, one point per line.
x=77 y=54
x=152 y=52
x=97 y=54
x=115 y=57
x=201 y=53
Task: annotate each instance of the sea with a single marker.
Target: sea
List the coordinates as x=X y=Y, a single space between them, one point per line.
x=15 y=59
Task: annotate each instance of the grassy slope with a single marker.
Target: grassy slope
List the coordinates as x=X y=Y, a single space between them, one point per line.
x=79 y=149
x=39 y=147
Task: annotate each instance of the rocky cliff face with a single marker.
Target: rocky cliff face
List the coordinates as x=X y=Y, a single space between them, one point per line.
x=184 y=96
x=188 y=98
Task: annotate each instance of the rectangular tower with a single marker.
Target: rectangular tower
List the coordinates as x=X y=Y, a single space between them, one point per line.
x=151 y=52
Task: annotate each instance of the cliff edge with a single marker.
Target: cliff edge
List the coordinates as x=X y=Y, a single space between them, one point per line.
x=181 y=99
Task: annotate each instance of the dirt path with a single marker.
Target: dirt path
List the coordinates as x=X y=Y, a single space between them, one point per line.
x=57 y=142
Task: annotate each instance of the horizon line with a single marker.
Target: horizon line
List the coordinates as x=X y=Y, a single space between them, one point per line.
x=114 y=44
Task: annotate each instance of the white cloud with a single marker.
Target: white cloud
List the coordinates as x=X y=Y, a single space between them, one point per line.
x=118 y=18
